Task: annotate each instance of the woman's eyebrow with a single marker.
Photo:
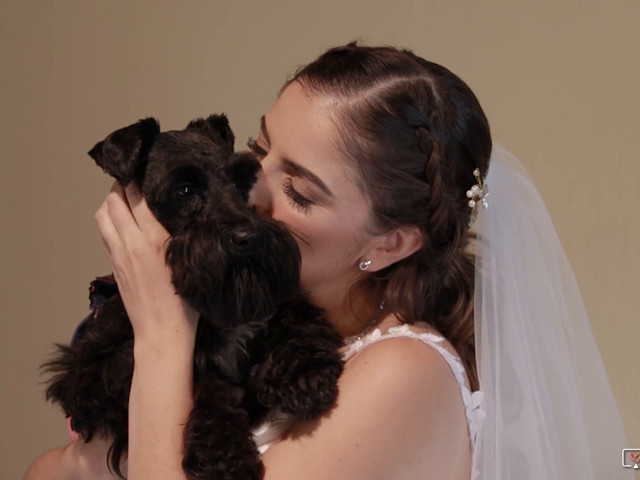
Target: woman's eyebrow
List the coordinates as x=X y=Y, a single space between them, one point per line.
x=293 y=167
x=300 y=171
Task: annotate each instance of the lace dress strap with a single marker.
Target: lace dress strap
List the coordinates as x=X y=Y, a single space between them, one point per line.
x=472 y=400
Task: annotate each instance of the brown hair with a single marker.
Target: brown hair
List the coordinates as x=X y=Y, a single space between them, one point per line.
x=415 y=132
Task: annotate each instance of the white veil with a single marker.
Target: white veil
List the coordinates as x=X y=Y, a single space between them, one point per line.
x=549 y=413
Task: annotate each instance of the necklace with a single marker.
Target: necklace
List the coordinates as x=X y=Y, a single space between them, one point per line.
x=374 y=318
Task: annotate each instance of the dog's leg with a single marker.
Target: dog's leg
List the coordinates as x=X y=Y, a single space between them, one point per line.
x=301 y=371
x=218 y=439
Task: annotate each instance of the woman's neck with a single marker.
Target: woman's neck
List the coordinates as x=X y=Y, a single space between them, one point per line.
x=356 y=314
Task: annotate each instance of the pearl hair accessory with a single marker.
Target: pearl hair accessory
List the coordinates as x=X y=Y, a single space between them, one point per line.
x=477 y=194
x=364 y=265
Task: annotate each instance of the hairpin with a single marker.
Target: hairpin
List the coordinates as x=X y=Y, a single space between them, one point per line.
x=478 y=193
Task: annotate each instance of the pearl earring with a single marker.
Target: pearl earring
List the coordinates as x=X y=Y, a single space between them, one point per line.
x=364 y=265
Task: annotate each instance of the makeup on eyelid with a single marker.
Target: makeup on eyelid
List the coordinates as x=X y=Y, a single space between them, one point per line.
x=297 y=200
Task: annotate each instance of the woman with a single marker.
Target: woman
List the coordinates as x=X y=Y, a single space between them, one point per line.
x=375 y=159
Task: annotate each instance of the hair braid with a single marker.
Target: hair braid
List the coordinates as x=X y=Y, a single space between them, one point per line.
x=447 y=285
x=415 y=133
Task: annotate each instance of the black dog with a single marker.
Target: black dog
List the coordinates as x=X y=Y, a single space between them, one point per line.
x=260 y=345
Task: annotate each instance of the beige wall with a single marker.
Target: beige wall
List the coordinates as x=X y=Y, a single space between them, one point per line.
x=558 y=79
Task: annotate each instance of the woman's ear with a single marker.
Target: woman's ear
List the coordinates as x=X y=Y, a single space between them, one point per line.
x=394 y=246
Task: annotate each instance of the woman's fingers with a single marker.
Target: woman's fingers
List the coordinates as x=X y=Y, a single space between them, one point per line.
x=136 y=245
x=132 y=218
x=131 y=233
x=107 y=229
x=145 y=219
x=121 y=214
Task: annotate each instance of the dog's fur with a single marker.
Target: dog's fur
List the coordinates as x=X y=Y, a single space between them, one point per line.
x=260 y=345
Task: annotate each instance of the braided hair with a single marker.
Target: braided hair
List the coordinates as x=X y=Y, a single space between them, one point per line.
x=414 y=132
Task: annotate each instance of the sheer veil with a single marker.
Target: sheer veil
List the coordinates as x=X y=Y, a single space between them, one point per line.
x=549 y=413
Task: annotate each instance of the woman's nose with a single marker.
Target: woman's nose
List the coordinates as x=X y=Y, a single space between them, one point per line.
x=260 y=195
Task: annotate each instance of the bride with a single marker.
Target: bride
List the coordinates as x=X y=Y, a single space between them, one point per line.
x=468 y=352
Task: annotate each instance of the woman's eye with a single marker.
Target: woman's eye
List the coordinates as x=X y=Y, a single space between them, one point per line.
x=301 y=203
x=256 y=149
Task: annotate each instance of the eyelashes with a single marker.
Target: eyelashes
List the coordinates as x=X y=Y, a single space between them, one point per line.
x=256 y=149
x=298 y=201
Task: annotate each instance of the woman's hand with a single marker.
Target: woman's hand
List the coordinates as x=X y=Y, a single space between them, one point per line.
x=136 y=243
x=164 y=327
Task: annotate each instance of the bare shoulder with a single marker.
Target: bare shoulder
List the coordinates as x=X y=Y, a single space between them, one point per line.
x=402 y=356
x=414 y=385
x=399 y=413
x=51 y=465
x=77 y=460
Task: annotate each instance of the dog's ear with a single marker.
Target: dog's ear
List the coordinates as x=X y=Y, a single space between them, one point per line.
x=242 y=169
x=123 y=153
x=217 y=129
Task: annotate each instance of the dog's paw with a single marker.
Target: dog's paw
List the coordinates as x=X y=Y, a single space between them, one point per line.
x=305 y=385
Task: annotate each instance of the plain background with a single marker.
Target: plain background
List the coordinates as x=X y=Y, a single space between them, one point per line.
x=558 y=81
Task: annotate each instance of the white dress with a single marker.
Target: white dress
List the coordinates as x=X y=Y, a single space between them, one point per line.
x=278 y=423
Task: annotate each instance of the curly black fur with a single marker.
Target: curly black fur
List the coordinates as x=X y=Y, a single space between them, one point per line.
x=260 y=344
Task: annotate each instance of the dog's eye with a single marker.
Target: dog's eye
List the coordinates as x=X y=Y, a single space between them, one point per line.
x=187 y=182
x=185 y=190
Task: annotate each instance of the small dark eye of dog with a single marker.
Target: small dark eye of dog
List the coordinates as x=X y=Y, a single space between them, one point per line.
x=185 y=189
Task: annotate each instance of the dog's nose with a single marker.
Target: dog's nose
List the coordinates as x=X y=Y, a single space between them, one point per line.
x=243 y=237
